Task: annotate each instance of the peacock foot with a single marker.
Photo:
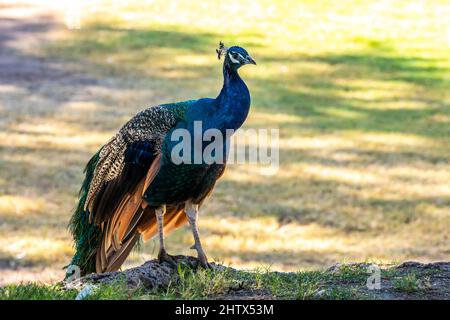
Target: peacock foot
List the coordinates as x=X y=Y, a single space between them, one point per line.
x=204 y=262
x=163 y=256
x=201 y=256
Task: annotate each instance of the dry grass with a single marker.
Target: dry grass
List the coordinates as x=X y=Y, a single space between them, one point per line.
x=359 y=90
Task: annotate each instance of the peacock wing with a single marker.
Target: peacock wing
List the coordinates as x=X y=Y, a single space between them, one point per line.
x=126 y=166
x=148 y=126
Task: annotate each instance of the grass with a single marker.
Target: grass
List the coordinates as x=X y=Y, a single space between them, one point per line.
x=363 y=111
x=41 y=291
x=35 y=291
x=198 y=284
x=409 y=283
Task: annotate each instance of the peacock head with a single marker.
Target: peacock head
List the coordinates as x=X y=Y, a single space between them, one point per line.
x=235 y=57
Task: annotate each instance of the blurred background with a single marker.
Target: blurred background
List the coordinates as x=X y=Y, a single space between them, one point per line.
x=358 y=89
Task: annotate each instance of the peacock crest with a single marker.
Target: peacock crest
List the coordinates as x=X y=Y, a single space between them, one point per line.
x=222 y=50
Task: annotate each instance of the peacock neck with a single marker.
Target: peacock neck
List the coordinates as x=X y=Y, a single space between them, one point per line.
x=233 y=100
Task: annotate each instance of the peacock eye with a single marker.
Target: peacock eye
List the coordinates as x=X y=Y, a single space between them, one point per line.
x=234 y=57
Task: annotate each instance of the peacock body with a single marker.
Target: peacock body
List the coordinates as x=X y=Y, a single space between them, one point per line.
x=132 y=186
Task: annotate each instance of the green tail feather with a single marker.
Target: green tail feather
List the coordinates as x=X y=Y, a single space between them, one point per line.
x=86 y=235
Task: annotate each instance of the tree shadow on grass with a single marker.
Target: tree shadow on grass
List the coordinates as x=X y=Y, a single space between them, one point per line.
x=172 y=37
x=325 y=103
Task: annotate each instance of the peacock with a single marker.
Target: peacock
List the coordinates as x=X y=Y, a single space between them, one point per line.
x=135 y=188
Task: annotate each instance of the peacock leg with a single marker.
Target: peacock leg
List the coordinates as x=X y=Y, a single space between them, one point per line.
x=191 y=211
x=163 y=256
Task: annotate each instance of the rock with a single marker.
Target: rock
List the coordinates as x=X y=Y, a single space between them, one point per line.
x=86 y=292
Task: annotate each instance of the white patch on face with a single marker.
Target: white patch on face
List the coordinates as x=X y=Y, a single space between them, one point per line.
x=233 y=59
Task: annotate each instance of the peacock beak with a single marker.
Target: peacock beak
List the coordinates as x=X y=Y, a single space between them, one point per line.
x=249 y=60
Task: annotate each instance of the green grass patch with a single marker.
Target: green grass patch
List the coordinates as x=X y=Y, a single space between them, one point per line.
x=342 y=293
x=198 y=284
x=293 y=285
x=36 y=291
x=350 y=273
x=409 y=283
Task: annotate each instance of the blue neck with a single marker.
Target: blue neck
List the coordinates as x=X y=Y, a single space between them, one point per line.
x=233 y=100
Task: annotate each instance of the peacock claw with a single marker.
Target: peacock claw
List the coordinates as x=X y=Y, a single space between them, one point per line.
x=204 y=262
x=163 y=256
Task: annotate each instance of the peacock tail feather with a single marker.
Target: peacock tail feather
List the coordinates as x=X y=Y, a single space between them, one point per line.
x=86 y=234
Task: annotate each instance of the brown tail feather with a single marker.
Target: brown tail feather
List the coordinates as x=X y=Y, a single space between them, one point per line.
x=120 y=233
x=117 y=258
x=131 y=219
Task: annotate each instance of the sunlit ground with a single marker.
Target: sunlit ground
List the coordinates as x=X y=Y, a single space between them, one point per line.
x=358 y=89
